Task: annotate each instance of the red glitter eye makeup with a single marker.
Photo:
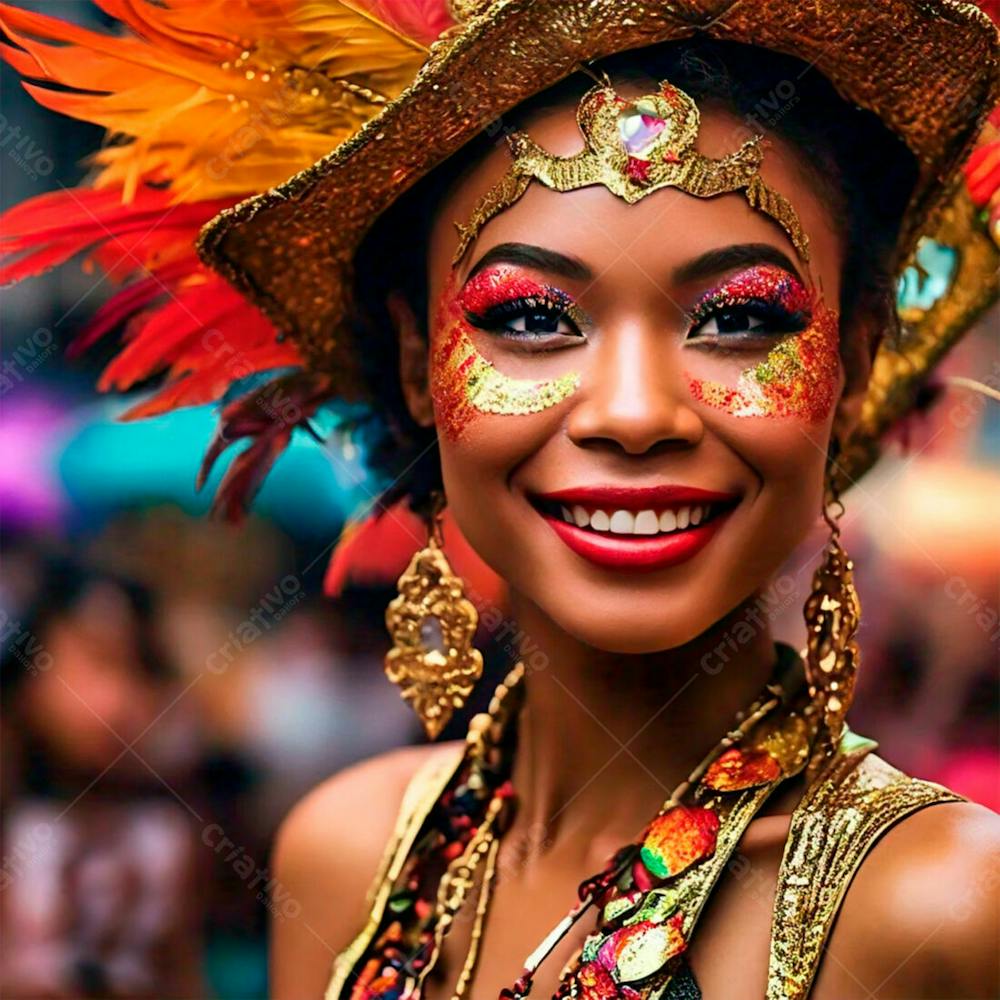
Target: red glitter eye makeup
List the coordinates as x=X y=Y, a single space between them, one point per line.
x=774 y=299
x=497 y=298
x=464 y=384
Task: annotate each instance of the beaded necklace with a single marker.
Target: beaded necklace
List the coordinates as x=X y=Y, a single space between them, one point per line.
x=649 y=895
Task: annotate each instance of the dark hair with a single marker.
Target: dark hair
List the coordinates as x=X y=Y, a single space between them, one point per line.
x=865 y=171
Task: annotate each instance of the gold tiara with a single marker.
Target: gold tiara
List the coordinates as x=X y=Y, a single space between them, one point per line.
x=633 y=148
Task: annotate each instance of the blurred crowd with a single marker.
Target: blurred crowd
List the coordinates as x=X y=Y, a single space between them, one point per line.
x=168 y=692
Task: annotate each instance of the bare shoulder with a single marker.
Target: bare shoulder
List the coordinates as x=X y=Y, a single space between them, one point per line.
x=346 y=821
x=326 y=854
x=922 y=916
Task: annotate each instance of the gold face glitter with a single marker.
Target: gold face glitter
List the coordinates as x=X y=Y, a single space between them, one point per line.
x=464 y=383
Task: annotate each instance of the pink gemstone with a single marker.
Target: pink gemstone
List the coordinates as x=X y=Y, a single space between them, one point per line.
x=639 y=125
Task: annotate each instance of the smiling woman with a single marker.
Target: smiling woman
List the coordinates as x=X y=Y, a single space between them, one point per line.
x=629 y=389
x=624 y=338
x=617 y=283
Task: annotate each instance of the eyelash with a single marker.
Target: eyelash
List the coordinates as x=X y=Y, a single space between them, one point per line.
x=554 y=309
x=775 y=319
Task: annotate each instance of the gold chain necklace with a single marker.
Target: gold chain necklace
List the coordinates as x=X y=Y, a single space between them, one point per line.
x=485 y=731
x=727 y=769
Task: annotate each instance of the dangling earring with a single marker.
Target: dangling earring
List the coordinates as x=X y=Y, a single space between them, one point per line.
x=832 y=614
x=432 y=625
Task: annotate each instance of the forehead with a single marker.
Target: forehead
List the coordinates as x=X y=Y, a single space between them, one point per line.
x=657 y=233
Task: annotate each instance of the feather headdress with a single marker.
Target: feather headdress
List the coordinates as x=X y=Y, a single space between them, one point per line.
x=205 y=103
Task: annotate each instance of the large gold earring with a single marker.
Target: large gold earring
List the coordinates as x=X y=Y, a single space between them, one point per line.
x=432 y=626
x=832 y=614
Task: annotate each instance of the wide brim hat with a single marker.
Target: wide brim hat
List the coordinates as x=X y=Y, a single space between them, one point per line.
x=926 y=68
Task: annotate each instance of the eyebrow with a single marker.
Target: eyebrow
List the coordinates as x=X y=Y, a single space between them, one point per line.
x=527 y=255
x=707 y=265
x=726 y=258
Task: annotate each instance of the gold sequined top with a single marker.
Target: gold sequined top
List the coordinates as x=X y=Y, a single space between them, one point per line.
x=841 y=816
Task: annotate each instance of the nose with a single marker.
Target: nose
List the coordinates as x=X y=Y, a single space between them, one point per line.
x=635 y=395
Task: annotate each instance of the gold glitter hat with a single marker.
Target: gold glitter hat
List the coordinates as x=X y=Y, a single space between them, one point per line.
x=926 y=68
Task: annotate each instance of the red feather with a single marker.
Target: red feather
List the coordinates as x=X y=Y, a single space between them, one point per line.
x=270 y=430
x=375 y=549
x=156 y=345
x=39 y=260
x=137 y=218
x=129 y=301
x=210 y=382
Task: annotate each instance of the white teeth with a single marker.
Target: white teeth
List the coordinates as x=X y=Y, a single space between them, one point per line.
x=646 y=523
x=668 y=521
x=623 y=522
x=643 y=522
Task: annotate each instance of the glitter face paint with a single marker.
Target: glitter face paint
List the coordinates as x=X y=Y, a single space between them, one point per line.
x=463 y=382
x=799 y=376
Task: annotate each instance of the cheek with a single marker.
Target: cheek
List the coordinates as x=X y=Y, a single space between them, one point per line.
x=798 y=379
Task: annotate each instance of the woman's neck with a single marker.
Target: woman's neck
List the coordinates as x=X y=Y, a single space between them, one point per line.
x=604 y=738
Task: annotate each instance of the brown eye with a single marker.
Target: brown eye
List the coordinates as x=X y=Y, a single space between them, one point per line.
x=751 y=320
x=730 y=321
x=526 y=319
x=540 y=322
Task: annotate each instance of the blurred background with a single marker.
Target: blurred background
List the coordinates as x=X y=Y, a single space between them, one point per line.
x=172 y=684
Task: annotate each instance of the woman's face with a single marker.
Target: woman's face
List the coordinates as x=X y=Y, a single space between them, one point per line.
x=663 y=455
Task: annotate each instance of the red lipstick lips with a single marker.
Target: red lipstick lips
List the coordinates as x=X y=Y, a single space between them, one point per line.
x=640 y=529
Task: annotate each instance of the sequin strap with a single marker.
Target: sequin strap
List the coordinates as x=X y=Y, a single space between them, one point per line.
x=840 y=818
x=423 y=790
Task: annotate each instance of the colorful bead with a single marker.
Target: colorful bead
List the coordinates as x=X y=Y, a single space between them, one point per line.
x=621 y=906
x=595 y=983
x=658 y=905
x=642 y=876
x=678 y=838
x=591 y=945
x=787 y=741
x=636 y=952
x=401 y=902
x=737 y=769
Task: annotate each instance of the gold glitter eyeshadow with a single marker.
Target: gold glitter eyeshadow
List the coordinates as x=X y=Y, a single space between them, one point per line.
x=464 y=383
x=798 y=378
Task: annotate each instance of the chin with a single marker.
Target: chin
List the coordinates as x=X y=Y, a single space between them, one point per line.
x=631 y=624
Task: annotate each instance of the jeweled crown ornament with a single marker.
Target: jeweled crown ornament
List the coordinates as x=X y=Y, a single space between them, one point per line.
x=432 y=625
x=633 y=147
